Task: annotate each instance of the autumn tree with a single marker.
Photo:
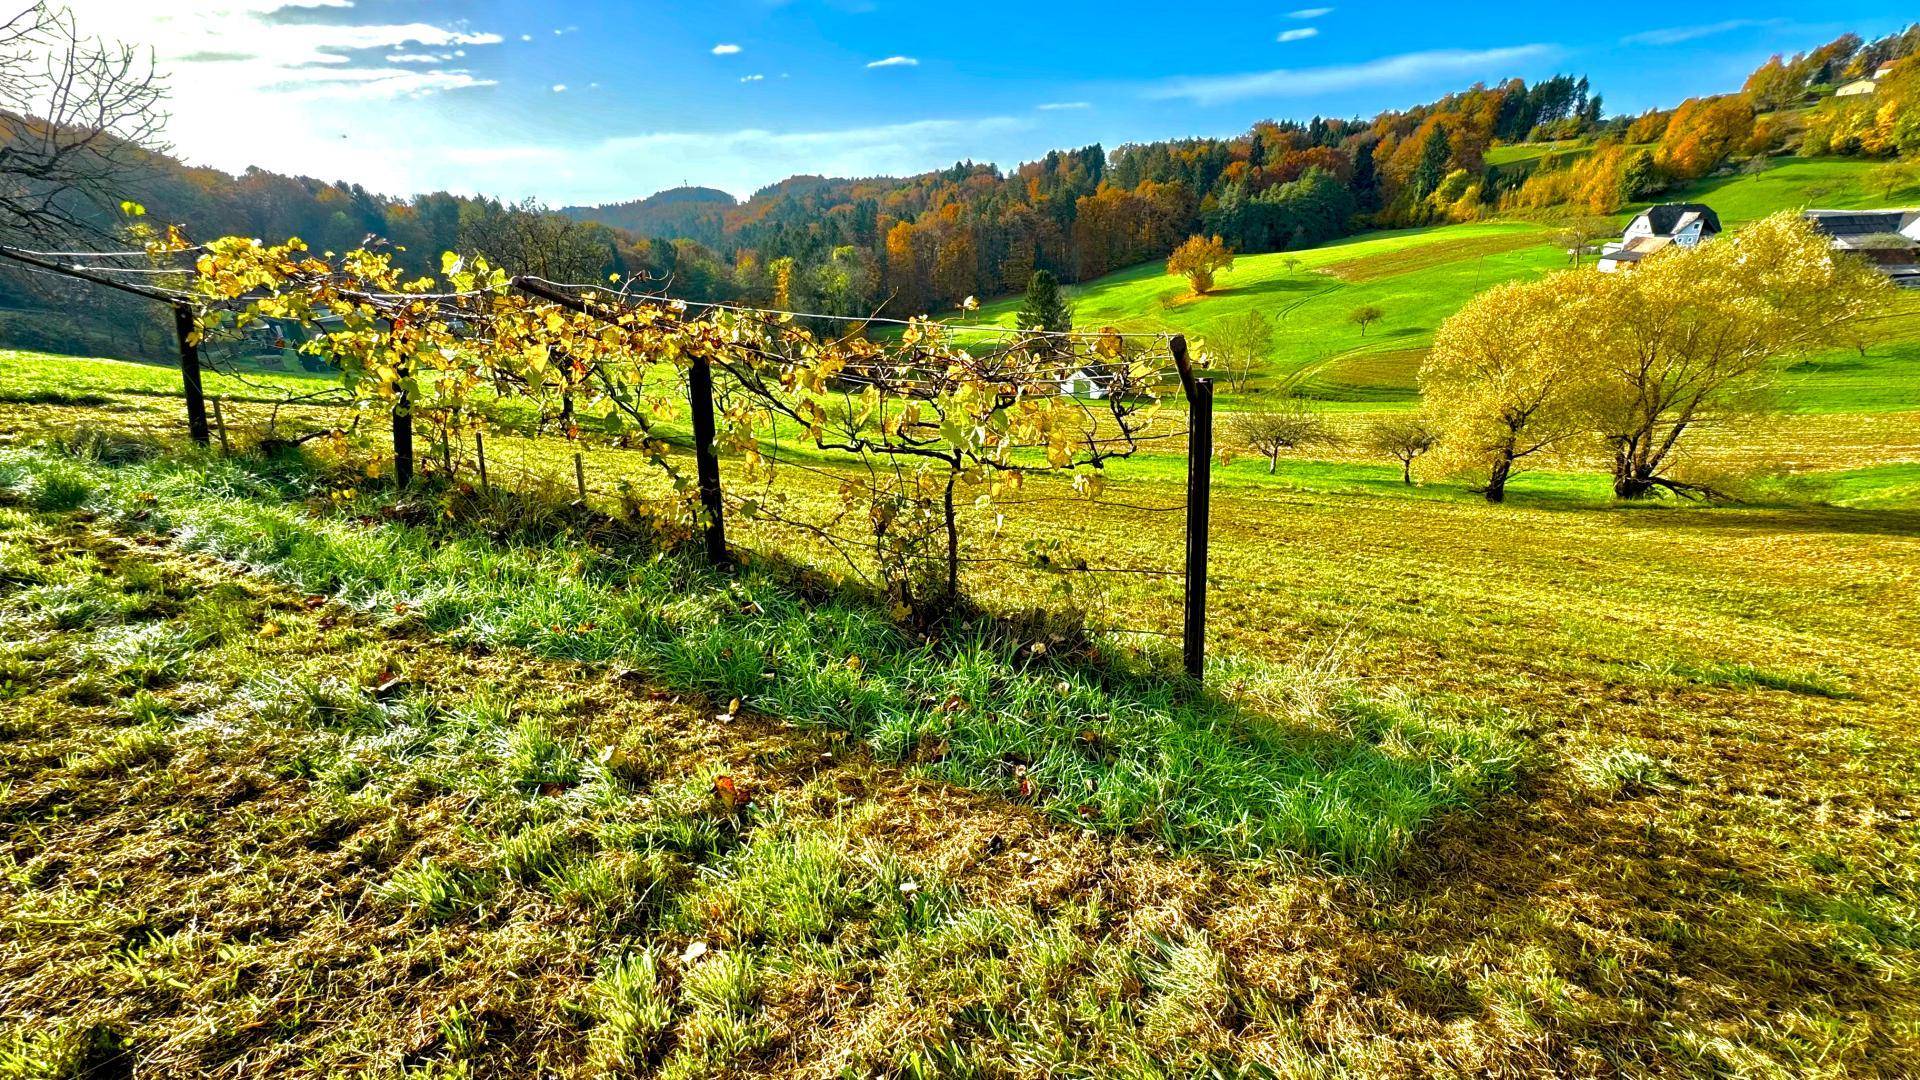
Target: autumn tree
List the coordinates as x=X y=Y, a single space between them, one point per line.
x=1896 y=176
x=905 y=277
x=1199 y=259
x=1689 y=335
x=527 y=238
x=1291 y=426
x=1364 y=315
x=956 y=268
x=1704 y=132
x=1578 y=233
x=1505 y=386
x=1773 y=86
x=1640 y=176
x=1239 y=342
x=1402 y=438
x=1648 y=127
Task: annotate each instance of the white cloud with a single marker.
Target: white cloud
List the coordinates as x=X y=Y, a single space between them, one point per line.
x=526 y=37
x=1674 y=35
x=379 y=83
x=752 y=78
x=262 y=81
x=725 y=49
x=256 y=33
x=623 y=167
x=895 y=61
x=560 y=88
x=1310 y=13
x=1056 y=106
x=1301 y=34
x=1301 y=82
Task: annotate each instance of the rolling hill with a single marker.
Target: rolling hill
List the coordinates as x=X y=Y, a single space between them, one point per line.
x=1418 y=277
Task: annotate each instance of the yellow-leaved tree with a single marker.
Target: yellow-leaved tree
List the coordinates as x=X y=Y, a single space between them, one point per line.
x=1692 y=335
x=1639 y=360
x=1503 y=385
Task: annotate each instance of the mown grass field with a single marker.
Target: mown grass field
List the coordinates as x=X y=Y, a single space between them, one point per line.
x=1558 y=786
x=1417 y=277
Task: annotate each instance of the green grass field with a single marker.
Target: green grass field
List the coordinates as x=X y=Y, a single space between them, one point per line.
x=1792 y=184
x=1309 y=302
x=455 y=784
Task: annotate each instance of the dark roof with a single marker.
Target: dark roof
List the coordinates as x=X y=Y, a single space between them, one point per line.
x=1666 y=215
x=1856 y=224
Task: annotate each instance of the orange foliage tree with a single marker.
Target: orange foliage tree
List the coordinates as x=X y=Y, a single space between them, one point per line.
x=1199 y=259
x=1704 y=132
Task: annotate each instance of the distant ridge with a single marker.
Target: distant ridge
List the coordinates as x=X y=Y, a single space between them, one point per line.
x=695 y=213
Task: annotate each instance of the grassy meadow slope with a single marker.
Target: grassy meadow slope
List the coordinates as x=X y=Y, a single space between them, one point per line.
x=1420 y=276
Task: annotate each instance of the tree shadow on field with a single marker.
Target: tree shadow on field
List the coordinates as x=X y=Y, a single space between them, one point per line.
x=1761 y=520
x=1265 y=288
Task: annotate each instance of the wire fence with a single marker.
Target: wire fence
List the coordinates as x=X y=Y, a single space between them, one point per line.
x=1013 y=530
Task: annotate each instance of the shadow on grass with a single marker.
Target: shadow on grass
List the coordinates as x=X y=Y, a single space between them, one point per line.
x=1772 y=518
x=1083 y=733
x=1709 y=926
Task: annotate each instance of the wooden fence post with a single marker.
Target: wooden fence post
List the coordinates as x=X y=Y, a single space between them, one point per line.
x=480 y=458
x=190 y=374
x=580 y=476
x=706 y=461
x=220 y=425
x=402 y=439
x=700 y=397
x=1199 y=489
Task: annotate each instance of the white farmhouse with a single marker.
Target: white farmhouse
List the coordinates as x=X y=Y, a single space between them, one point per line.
x=1094 y=381
x=1657 y=228
x=1868 y=85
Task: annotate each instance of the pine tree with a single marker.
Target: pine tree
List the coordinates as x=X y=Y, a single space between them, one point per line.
x=1433 y=163
x=1366 y=179
x=1045 y=308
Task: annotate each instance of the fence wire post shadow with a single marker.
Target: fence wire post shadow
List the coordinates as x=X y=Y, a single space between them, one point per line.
x=1199 y=487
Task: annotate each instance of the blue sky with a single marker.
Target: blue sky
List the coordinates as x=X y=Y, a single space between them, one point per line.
x=601 y=101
